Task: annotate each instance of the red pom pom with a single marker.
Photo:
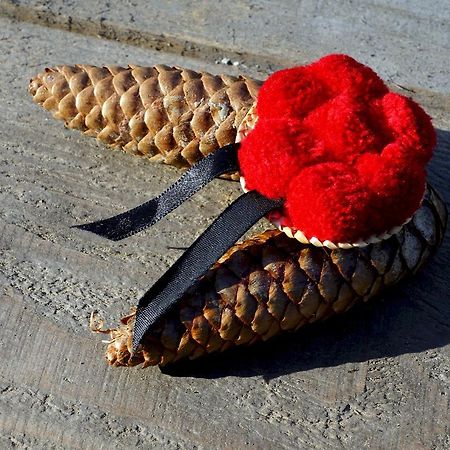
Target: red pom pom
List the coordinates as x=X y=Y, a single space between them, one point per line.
x=345 y=128
x=347 y=155
x=410 y=125
x=397 y=184
x=273 y=154
x=290 y=92
x=328 y=201
x=344 y=75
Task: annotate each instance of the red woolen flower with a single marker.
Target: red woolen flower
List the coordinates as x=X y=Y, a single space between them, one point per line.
x=345 y=153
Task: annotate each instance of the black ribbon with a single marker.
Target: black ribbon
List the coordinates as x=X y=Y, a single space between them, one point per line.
x=198 y=258
x=143 y=216
x=204 y=252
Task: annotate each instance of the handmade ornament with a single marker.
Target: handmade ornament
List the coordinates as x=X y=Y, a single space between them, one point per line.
x=333 y=158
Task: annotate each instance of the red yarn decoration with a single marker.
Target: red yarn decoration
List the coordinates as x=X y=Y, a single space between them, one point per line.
x=347 y=155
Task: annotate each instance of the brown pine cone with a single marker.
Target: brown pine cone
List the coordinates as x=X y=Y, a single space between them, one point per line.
x=165 y=113
x=264 y=286
x=272 y=283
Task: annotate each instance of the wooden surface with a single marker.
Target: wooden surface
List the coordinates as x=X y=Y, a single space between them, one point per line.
x=377 y=378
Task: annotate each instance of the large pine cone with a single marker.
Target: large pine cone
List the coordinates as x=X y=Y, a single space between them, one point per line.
x=165 y=113
x=273 y=283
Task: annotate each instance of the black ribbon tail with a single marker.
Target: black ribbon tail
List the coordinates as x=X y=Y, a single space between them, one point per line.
x=137 y=219
x=198 y=258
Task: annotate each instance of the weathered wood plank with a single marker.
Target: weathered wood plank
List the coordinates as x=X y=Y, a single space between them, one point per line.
x=405 y=41
x=378 y=377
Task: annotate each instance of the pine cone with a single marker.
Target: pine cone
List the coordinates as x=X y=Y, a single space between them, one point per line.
x=272 y=283
x=261 y=287
x=165 y=113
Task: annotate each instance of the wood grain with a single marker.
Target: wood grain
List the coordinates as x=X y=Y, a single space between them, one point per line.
x=405 y=41
x=376 y=378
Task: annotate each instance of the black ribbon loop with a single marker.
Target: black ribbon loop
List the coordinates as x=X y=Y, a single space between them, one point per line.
x=198 y=258
x=143 y=216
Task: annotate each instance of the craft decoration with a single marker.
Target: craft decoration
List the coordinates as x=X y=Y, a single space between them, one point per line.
x=332 y=157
